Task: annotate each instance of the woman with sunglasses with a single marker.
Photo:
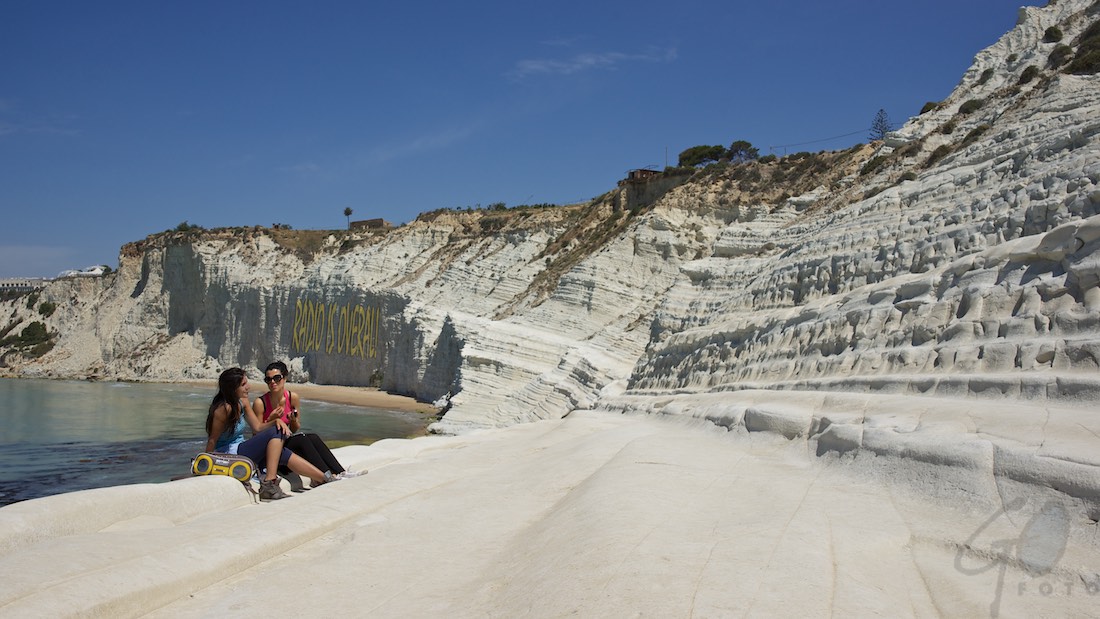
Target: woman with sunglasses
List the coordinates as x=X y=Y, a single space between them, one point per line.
x=284 y=404
x=225 y=422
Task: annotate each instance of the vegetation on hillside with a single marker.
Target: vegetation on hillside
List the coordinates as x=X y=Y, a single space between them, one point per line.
x=880 y=126
x=495 y=207
x=739 y=151
x=33 y=341
x=1086 y=61
x=739 y=168
x=589 y=228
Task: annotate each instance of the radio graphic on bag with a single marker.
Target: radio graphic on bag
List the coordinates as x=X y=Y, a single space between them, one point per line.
x=237 y=467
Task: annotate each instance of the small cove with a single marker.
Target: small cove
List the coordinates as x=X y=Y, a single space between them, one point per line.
x=62 y=436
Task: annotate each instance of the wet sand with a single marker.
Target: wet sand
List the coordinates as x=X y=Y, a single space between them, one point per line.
x=354 y=396
x=359 y=396
x=340 y=394
x=370 y=397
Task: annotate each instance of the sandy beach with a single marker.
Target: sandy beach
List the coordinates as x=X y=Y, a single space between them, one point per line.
x=598 y=515
x=366 y=396
x=354 y=396
x=339 y=394
x=360 y=396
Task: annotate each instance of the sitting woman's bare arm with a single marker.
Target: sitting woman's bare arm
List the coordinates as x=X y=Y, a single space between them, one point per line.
x=253 y=414
x=217 y=426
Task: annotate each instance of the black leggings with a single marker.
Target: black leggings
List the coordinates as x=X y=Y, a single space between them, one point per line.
x=312 y=448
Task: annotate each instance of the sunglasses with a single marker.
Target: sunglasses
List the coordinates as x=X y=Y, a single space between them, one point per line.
x=273 y=379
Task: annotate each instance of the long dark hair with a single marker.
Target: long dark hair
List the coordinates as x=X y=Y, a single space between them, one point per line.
x=227 y=394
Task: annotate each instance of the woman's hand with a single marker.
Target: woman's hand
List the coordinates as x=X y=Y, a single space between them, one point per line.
x=283 y=428
x=295 y=418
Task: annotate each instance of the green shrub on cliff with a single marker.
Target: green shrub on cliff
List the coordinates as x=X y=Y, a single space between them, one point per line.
x=40 y=349
x=1087 y=59
x=939 y=153
x=701 y=155
x=741 y=151
x=1085 y=65
x=31 y=335
x=972 y=105
x=875 y=163
x=1059 y=55
x=910 y=149
x=975 y=133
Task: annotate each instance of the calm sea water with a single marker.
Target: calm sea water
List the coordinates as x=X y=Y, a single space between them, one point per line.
x=61 y=436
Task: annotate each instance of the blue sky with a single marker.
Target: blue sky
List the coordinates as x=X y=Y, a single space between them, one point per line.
x=123 y=119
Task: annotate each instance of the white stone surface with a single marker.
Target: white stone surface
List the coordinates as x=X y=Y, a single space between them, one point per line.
x=596 y=514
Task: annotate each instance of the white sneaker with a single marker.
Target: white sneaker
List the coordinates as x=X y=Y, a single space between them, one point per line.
x=349 y=474
x=329 y=477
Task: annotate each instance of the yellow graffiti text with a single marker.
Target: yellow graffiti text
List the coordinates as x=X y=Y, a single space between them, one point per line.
x=347 y=329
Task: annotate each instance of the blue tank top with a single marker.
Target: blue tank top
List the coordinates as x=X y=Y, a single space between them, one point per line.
x=228 y=441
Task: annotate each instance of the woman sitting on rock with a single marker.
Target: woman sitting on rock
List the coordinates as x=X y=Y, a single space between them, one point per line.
x=225 y=422
x=285 y=404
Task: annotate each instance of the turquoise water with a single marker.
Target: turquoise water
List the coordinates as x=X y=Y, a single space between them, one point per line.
x=61 y=436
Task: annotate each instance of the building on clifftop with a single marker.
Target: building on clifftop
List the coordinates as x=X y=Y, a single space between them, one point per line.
x=371 y=224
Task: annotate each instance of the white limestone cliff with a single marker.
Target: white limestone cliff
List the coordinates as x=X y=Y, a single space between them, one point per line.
x=876 y=300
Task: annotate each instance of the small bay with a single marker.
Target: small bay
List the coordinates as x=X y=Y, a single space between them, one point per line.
x=62 y=436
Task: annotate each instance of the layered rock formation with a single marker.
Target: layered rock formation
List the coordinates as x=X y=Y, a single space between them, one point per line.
x=873 y=300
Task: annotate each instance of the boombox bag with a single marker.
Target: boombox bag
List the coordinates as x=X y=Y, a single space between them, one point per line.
x=237 y=467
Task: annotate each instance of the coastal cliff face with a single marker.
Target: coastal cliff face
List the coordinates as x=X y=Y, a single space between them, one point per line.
x=956 y=259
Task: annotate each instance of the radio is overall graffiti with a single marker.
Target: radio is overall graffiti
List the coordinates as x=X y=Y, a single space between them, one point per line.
x=335 y=328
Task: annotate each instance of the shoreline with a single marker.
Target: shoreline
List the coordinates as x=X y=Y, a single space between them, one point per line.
x=371 y=397
x=362 y=396
x=340 y=394
x=368 y=397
